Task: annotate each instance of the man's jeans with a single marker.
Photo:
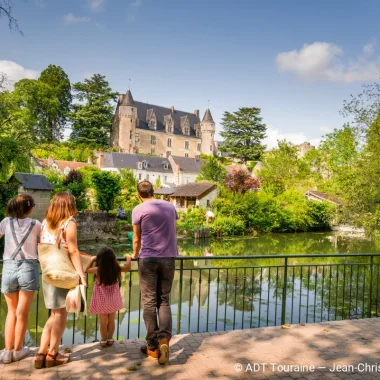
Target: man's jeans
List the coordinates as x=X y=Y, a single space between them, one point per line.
x=156 y=278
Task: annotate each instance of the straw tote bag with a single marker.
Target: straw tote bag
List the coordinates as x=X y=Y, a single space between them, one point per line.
x=57 y=268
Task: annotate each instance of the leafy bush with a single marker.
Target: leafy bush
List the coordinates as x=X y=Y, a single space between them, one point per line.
x=107 y=187
x=75 y=184
x=56 y=179
x=228 y=226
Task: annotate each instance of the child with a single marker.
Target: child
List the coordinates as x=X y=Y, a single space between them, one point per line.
x=106 y=298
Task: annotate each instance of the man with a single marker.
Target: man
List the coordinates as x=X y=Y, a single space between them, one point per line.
x=120 y=213
x=155 y=245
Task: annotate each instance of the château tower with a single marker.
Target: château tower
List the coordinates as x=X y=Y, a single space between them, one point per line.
x=124 y=124
x=207 y=133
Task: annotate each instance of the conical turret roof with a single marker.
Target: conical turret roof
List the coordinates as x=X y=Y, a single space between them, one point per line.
x=207 y=118
x=128 y=99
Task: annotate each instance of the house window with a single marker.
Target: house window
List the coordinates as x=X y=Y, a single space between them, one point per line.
x=187 y=179
x=145 y=164
x=187 y=145
x=153 y=151
x=147 y=177
x=186 y=131
x=166 y=178
x=153 y=140
x=169 y=142
x=186 y=154
x=199 y=147
x=208 y=202
x=166 y=166
x=139 y=176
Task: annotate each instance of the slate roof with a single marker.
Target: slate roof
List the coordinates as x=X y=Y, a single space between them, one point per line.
x=207 y=118
x=196 y=189
x=127 y=99
x=188 y=165
x=324 y=196
x=165 y=191
x=128 y=160
x=34 y=181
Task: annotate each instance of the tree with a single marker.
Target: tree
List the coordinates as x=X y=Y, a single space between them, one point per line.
x=53 y=122
x=75 y=184
x=6 y=11
x=107 y=187
x=282 y=169
x=243 y=132
x=240 y=180
x=211 y=170
x=92 y=116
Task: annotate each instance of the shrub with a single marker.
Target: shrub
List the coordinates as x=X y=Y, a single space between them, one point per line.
x=75 y=184
x=107 y=187
x=228 y=226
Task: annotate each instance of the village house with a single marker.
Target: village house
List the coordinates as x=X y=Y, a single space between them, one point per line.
x=38 y=187
x=318 y=196
x=199 y=194
x=61 y=165
x=174 y=170
x=144 y=128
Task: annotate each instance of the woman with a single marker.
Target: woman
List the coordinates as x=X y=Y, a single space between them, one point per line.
x=20 y=277
x=59 y=226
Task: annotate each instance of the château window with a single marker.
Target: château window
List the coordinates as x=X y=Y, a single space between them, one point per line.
x=187 y=131
x=210 y=148
x=169 y=142
x=130 y=135
x=153 y=151
x=137 y=137
x=198 y=147
x=186 y=154
x=187 y=144
x=153 y=140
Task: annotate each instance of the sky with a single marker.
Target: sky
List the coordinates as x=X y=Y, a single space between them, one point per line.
x=296 y=60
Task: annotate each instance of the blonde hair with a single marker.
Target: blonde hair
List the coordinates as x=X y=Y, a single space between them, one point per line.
x=61 y=208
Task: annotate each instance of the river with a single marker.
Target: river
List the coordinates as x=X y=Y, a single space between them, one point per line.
x=226 y=294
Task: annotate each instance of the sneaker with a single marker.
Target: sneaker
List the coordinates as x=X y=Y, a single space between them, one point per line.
x=152 y=353
x=18 y=355
x=163 y=348
x=6 y=355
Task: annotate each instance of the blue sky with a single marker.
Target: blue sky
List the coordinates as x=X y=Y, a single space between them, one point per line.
x=297 y=60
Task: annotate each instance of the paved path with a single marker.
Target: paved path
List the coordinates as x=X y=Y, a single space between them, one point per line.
x=209 y=355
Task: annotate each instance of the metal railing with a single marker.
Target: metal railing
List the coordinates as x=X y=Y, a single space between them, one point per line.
x=223 y=293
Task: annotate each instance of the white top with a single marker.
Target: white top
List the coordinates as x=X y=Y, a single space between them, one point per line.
x=49 y=237
x=21 y=228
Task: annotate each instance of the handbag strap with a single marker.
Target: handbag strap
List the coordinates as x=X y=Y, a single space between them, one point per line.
x=18 y=250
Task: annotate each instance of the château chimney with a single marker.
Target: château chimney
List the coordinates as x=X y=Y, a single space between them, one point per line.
x=172 y=108
x=196 y=113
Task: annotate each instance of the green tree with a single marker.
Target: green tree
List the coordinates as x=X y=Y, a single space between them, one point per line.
x=54 y=121
x=282 y=169
x=212 y=170
x=92 y=115
x=76 y=185
x=243 y=132
x=107 y=187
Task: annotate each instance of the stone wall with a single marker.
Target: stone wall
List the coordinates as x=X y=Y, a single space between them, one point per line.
x=41 y=199
x=96 y=226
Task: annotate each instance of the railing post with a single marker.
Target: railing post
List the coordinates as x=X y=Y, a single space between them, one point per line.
x=284 y=289
x=369 y=311
x=180 y=298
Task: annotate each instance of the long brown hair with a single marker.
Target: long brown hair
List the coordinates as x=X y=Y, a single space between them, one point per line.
x=109 y=271
x=61 y=207
x=20 y=206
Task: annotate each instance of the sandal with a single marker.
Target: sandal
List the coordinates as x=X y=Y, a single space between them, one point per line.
x=103 y=343
x=57 y=359
x=39 y=361
x=110 y=342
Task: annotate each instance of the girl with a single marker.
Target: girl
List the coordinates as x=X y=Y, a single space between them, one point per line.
x=20 y=277
x=58 y=225
x=106 y=298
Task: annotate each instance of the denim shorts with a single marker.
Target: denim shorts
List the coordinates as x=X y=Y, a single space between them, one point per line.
x=20 y=275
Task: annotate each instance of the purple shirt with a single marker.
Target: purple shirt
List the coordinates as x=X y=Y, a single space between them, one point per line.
x=157 y=220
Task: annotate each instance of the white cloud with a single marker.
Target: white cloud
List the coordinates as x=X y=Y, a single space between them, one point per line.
x=136 y=4
x=96 y=5
x=273 y=135
x=15 y=72
x=322 y=61
x=71 y=19
x=369 y=49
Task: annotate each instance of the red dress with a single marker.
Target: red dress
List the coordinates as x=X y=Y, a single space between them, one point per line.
x=106 y=299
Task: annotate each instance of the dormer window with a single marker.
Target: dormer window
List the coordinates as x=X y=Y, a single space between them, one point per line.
x=187 y=131
x=152 y=123
x=170 y=129
x=145 y=164
x=139 y=165
x=166 y=165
